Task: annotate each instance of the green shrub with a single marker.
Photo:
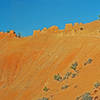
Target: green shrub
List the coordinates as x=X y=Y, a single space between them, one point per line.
x=45 y=89
x=86 y=96
x=8 y=31
x=88 y=62
x=57 y=77
x=19 y=35
x=74 y=75
x=74 y=66
x=67 y=75
x=99 y=17
x=65 y=86
x=96 y=85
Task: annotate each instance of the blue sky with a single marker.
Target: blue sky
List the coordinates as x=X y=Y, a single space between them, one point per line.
x=27 y=15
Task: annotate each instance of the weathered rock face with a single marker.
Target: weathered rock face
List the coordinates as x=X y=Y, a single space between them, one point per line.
x=68 y=28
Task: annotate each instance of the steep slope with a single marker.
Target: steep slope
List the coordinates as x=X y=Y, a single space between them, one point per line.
x=29 y=64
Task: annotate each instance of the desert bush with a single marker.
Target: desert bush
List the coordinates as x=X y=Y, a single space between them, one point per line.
x=96 y=85
x=74 y=75
x=19 y=35
x=86 y=96
x=8 y=31
x=74 y=66
x=57 y=77
x=67 y=75
x=88 y=62
x=45 y=89
x=99 y=17
x=65 y=86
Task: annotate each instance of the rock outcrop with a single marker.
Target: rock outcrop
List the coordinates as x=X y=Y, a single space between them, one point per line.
x=68 y=28
x=44 y=29
x=53 y=29
x=36 y=33
x=12 y=33
x=73 y=29
x=9 y=34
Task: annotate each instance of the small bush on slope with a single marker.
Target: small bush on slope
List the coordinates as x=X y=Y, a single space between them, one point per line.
x=96 y=85
x=88 y=62
x=85 y=96
x=99 y=17
x=67 y=75
x=74 y=66
x=45 y=89
x=74 y=75
x=65 y=86
x=8 y=31
x=57 y=77
x=19 y=35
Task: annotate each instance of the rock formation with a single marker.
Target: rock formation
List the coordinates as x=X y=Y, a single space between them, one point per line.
x=9 y=34
x=68 y=28
x=36 y=33
x=12 y=33
x=44 y=29
x=53 y=29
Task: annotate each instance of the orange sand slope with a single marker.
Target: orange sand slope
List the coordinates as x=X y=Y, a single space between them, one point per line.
x=52 y=64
